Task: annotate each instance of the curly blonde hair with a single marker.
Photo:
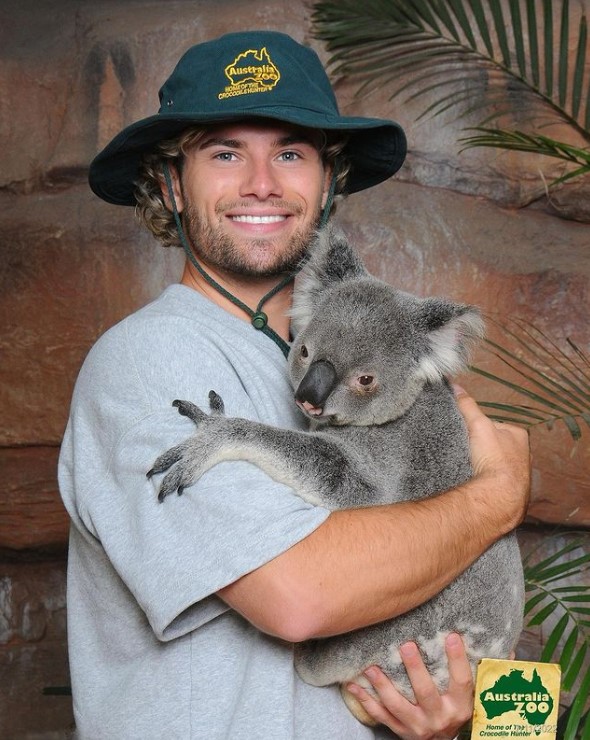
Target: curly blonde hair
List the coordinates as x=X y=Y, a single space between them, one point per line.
x=151 y=209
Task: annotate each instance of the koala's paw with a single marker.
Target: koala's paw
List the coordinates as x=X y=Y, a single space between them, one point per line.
x=186 y=460
x=188 y=409
x=189 y=457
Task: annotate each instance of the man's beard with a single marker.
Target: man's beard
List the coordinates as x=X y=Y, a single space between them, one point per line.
x=220 y=250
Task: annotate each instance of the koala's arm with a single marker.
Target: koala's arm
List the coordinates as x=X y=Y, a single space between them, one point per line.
x=318 y=468
x=365 y=565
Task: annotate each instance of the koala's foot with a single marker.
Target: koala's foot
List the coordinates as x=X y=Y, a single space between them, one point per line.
x=355 y=706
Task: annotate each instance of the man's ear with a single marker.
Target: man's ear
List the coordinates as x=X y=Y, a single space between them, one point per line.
x=176 y=190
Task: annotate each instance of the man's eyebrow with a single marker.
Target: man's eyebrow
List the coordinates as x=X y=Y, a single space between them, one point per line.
x=216 y=141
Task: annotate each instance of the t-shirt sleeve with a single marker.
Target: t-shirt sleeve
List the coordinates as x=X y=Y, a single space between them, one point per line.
x=175 y=555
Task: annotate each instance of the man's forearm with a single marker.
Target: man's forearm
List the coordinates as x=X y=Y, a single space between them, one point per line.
x=362 y=566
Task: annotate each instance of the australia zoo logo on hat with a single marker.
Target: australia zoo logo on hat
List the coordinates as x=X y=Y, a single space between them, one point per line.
x=251 y=71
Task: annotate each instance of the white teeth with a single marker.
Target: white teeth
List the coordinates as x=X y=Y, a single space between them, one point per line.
x=258 y=219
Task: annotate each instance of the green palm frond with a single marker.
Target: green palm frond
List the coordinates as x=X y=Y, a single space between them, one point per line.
x=554 y=380
x=494 y=58
x=551 y=597
x=536 y=144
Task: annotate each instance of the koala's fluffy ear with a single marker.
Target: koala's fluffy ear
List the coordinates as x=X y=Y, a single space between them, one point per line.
x=452 y=330
x=331 y=260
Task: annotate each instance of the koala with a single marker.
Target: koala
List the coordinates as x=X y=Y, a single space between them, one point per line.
x=368 y=366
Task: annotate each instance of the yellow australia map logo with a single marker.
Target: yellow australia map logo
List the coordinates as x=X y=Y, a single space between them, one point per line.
x=516 y=699
x=251 y=71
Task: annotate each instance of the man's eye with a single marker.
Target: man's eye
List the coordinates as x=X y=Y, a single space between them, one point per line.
x=225 y=156
x=289 y=156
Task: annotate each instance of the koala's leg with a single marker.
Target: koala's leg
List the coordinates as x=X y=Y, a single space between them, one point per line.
x=315 y=466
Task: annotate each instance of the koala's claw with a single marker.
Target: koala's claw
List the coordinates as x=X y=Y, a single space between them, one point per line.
x=194 y=413
x=216 y=403
x=186 y=408
x=165 y=461
x=170 y=484
x=183 y=474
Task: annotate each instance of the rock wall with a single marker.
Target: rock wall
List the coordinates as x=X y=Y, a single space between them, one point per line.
x=475 y=226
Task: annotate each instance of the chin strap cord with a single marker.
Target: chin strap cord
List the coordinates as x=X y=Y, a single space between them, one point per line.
x=258 y=318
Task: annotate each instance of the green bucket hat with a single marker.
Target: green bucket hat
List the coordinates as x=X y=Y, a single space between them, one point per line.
x=255 y=74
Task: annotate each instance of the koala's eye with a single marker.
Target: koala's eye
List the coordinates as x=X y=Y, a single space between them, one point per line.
x=304 y=352
x=366 y=380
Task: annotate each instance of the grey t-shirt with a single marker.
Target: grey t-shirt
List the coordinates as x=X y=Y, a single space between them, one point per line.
x=154 y=653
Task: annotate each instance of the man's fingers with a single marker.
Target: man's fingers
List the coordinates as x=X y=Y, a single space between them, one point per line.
x=433 y=714
x=478 y=423
x=460 y=675
x=466 y=403
x=374 y=707
x=501 y=453
x=425 y=690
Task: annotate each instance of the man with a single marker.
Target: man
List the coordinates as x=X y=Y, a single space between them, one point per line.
x=181 y=615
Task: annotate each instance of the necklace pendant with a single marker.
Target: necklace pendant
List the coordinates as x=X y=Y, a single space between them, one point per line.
x=259 y=320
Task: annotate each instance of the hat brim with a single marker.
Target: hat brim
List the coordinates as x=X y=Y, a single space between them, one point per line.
x=376 y=148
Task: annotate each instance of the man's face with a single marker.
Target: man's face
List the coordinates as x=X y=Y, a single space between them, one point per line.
x=251 y=195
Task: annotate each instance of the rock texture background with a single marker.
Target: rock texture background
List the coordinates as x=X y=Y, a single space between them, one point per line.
x=475 y=226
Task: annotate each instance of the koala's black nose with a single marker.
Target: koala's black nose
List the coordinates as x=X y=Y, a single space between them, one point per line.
x=317 y=384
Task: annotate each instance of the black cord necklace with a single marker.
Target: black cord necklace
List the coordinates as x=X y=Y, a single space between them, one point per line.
x=258 y=317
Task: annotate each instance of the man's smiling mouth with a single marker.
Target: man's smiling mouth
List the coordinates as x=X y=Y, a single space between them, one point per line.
x=258 y=219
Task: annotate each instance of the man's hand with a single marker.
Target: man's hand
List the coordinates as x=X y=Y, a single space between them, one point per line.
x=435 y=715
x=500 y=454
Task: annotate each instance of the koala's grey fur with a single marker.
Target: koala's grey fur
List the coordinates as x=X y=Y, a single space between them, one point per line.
x=396 y=439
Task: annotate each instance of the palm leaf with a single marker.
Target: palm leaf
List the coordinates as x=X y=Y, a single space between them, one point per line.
x=555 y=380
x=535 y=143
x=410 y=46
x=473 y=33
x=574 y=724
x=548 y=596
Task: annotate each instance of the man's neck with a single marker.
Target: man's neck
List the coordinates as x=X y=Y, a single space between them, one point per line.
x=249 y=291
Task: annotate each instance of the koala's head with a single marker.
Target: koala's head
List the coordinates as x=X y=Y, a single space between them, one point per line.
x=363 y=350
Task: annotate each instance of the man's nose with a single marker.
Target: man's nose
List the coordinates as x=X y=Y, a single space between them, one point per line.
x=261 y=180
